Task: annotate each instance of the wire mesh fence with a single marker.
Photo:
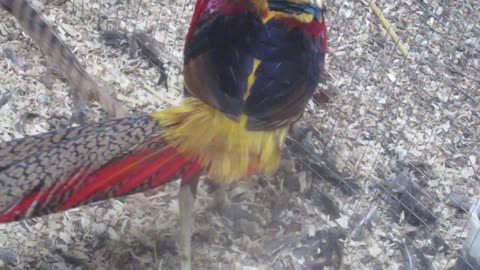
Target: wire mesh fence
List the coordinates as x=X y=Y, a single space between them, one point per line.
x=379 y=174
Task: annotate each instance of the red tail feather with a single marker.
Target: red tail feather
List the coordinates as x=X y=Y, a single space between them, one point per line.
x=129 y=172
x=149 y=168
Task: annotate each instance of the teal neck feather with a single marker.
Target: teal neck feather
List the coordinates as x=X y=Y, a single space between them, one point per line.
x=295 y=8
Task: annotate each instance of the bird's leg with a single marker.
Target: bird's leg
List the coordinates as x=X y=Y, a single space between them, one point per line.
x=231 y=210
x=186 y=198
x=220 y=197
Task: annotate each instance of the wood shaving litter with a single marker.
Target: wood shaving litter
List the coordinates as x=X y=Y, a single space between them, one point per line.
x=390 y=115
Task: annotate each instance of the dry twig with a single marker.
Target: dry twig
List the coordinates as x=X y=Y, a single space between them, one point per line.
x=386 y=24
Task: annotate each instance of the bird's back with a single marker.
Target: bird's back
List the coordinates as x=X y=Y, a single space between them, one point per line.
x=257 y=58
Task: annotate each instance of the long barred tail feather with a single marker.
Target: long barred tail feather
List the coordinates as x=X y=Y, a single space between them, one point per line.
x=53 y=46
x=62 y=169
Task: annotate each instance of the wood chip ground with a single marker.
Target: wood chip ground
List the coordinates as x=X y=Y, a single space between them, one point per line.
x=377 y=178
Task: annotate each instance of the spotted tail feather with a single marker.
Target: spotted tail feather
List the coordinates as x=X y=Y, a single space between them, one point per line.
x=60 y=170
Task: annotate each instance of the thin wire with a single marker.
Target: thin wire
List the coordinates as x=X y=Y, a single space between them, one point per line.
x=345 y=68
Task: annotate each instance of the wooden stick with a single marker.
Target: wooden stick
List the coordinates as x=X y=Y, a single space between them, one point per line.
x=386 y=24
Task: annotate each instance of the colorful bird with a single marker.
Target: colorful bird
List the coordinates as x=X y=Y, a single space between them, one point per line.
x=250 y=67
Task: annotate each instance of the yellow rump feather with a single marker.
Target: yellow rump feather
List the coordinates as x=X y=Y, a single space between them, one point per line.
x=222 y=145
